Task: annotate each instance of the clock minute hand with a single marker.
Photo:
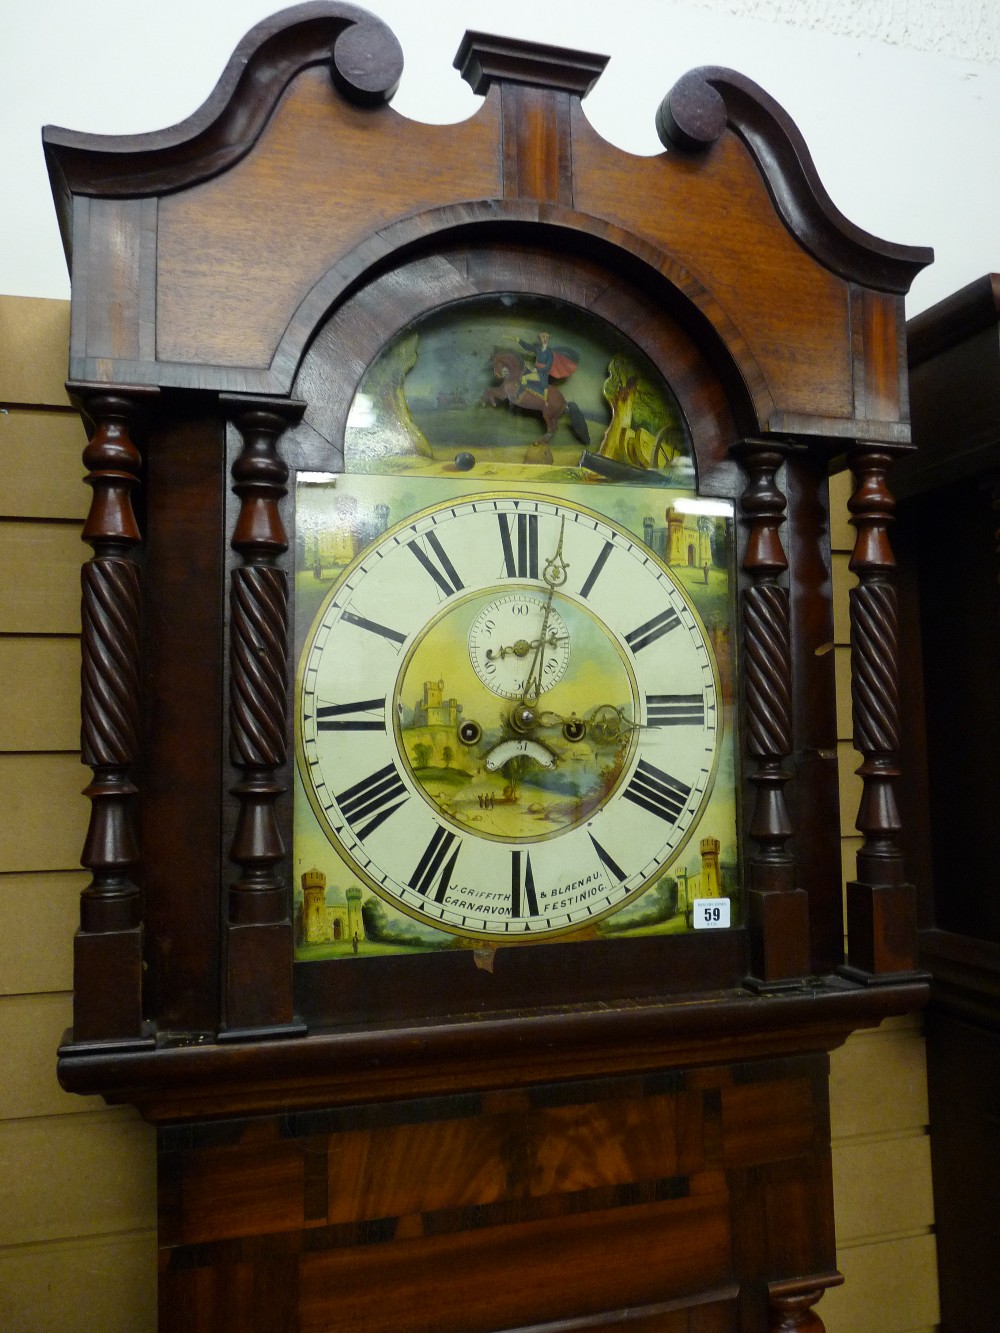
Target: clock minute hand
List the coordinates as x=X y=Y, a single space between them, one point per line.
x=534 y=676
x=555 y=576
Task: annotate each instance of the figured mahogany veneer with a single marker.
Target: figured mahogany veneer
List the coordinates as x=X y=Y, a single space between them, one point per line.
x=589 y=1136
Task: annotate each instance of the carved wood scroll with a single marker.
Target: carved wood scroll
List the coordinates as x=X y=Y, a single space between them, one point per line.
x=881 y=907
x=778 y=911
x=258 y=936
x=108 y=945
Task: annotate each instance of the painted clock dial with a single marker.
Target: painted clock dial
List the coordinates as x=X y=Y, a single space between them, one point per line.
x=509 y=716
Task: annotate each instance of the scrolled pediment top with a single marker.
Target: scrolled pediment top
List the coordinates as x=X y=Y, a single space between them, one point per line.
x=694 y=115
x=365 y=61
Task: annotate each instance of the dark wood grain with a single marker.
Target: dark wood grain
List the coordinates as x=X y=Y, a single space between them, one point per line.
x=258 y=984
x=183 y=680
x=558 y=1183
x=950 y=622
x=814 y=797
x=107 y=955
x=537 y=149
x=881 y=904
x=778 y=908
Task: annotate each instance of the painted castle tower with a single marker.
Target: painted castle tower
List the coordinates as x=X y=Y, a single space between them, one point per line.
x=685 y=539
x=707 y=883
x=326 y=923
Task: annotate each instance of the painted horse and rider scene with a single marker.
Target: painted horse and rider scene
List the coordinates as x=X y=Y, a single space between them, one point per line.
x=516 y=386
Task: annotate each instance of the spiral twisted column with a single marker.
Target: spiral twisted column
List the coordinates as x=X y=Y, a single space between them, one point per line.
x=778 y=910
x=881 y=906
x=259 y=943
x=108 y=946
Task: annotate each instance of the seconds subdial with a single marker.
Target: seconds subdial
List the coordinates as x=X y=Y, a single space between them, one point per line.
x=505 y=642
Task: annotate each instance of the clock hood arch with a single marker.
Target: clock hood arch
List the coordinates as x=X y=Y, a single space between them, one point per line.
x=721 y=392
x=567 y=238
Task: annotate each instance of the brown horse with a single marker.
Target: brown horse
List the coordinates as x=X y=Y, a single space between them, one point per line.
x=509 y=368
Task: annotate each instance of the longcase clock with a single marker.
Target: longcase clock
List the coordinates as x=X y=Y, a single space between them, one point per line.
x=466 y=893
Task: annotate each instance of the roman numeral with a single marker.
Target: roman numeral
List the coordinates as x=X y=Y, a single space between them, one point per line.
x=607 y=860
x=522 y=563
x=377 y=796
x=431 y=861
x=675 y=710
x=657 y=792
x=351 y=717
x=522 y=887
x=438 y=565
x=595 y=571
x=653 y=629
x=374 y=627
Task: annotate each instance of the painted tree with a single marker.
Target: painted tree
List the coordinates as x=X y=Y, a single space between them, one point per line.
x=384 y=385
x=637 y=404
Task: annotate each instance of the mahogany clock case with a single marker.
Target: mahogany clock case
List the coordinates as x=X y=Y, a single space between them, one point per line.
x=234 y=280
x=234 y=360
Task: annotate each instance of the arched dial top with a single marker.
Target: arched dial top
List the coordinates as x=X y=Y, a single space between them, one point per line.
x=494 y=735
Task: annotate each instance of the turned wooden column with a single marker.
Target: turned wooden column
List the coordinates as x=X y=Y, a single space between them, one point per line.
x=107 y=953
x=778 y=911
x=259 y=941
x=881 y=905
x=790 y=1302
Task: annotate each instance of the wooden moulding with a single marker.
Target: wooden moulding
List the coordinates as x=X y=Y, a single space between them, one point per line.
x=484 y=59
x=954 y=320
x=371 y=1064
x=258 y=940
x=108 y=946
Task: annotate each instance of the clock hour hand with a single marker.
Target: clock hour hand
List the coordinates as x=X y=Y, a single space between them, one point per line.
x=522 y=648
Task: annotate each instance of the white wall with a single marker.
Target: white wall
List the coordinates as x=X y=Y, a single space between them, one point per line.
x=899 y=100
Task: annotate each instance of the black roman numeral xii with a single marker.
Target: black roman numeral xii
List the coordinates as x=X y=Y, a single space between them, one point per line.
x=520 y=549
